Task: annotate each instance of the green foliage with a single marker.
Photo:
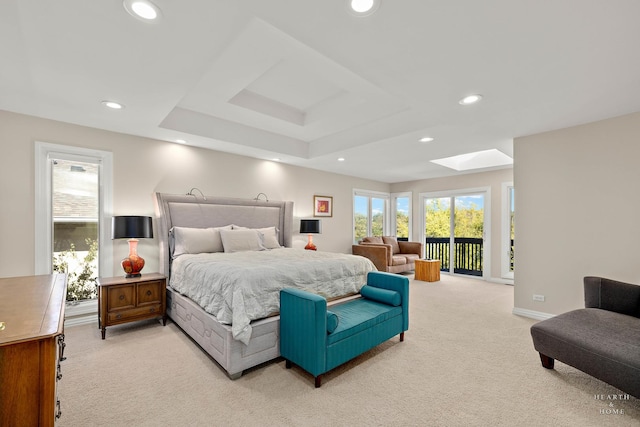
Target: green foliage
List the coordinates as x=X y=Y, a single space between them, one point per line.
x=402 y=225
x=81 y=273
x=468 y=222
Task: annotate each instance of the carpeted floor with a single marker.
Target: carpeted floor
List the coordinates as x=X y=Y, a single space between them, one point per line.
x=466 y=361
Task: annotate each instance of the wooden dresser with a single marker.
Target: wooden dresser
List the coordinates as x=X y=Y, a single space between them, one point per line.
x=31 y=348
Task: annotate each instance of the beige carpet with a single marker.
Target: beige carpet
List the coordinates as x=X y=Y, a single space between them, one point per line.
x=466 y=361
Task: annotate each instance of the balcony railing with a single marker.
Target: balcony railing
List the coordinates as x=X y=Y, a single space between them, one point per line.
x=468 y=254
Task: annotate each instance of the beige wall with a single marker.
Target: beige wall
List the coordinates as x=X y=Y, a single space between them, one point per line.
x=143 y=166
x=493 y=180
x=577 y=211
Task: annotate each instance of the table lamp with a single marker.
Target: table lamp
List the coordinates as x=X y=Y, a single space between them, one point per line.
x=132 y=228
x=310 y=227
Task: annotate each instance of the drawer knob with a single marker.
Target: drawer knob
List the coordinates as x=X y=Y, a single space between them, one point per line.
x=2 y=326
x=118 y=316
x=121 y=297
x=148 y=293
x=151 y=310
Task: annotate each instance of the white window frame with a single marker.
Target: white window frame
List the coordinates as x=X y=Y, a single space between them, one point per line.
x=370 y=194
x=44 y=215
x=394 y=212
x=505 y=259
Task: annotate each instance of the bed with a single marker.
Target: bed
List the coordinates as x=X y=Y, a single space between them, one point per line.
x=238 y=323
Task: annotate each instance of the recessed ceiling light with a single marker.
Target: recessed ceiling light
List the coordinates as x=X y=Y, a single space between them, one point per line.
x=142 y=9
x=363 y=7
x=181 y=141
x=112 y=104
x=471 y=99
x=341 y=159
x=426 y=139
x=276 y=159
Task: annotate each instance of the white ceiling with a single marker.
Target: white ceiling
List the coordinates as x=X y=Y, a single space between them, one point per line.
x=307 y=82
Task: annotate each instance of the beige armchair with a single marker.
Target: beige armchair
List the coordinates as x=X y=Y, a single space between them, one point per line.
x=388 y=254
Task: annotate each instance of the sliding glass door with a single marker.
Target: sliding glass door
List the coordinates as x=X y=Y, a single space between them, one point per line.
x=454 y=229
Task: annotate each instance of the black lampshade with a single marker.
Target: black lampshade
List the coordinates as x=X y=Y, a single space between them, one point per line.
x=131 y=227
x=310 y=226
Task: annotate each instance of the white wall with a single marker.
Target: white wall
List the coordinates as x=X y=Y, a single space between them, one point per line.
x=143 y=166
x=493 y=180
x=577 y=211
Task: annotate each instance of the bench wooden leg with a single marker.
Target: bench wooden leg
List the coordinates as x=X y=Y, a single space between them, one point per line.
x=547 y=361
x=401 y=336
x=287 y=364
x=318 y=381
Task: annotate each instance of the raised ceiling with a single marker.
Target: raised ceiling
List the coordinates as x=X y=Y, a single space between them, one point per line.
x=307 y=82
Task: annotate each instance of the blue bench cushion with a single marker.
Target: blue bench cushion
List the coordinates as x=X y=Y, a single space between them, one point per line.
x=358 y=315
x=332 y=321
x=381 y=295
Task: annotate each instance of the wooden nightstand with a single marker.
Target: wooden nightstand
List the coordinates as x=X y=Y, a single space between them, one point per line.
x=122 y=300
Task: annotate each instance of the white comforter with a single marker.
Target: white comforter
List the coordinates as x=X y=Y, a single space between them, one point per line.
x=243 y=286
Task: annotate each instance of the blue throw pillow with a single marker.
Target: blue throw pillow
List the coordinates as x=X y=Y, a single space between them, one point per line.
x=384 y=296
x=332 y=321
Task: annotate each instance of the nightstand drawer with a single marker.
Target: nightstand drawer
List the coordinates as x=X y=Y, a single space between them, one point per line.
x=120 y=297
x=146 y=311
x=150 y=292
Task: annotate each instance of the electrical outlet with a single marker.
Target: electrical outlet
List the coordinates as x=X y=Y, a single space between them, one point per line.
x=538 y=297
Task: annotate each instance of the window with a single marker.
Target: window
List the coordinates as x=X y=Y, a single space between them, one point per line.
x=370 y=214
x=508 y=225
x=73 y=210
x=401 y=204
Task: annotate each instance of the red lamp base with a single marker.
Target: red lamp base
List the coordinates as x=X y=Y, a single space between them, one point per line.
x=310 y=246
x=133 y=264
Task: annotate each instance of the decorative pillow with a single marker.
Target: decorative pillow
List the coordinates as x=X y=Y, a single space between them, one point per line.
x=395 y=247
x=196 y=240
x=241 y=240
x=384 y=296
x=373 y=239
x=332 y=321
x=269 y=237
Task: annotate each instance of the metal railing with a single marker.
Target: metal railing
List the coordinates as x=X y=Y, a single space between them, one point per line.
x=468 y=254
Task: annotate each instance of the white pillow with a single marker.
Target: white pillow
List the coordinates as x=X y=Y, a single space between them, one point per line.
x=269 y=237
x=197 y=240
x=241 y=240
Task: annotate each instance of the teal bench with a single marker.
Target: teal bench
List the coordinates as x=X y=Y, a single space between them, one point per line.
x=318 y=340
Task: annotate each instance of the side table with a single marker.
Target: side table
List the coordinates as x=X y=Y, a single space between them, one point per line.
x=427 y=270
x=123 y=300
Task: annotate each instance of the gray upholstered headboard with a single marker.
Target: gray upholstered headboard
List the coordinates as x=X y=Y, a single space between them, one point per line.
x=202 y=212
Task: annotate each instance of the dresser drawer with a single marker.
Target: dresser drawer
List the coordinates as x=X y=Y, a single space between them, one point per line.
x=150 y=292
x=120 y=297
x=151 y=310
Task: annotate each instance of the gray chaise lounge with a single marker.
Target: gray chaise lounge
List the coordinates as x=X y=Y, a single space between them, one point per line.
x=602 y=340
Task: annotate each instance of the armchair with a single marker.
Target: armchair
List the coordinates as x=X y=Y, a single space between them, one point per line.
x=388 y=254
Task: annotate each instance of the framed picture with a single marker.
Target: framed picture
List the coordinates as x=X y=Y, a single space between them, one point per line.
x=322 y=206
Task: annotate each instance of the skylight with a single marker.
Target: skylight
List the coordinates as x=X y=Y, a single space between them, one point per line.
x=478 y=160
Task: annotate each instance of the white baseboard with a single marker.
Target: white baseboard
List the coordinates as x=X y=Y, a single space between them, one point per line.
x=81 y=320
x=81 y=313
x=538 y=315
x=500 y=280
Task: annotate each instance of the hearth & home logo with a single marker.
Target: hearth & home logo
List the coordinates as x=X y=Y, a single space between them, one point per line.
x=612 y=401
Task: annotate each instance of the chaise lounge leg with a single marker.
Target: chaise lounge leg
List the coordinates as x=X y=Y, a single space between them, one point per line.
x=547 y=361
x=401 y=336
x=287 y=364
x=318 y=381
